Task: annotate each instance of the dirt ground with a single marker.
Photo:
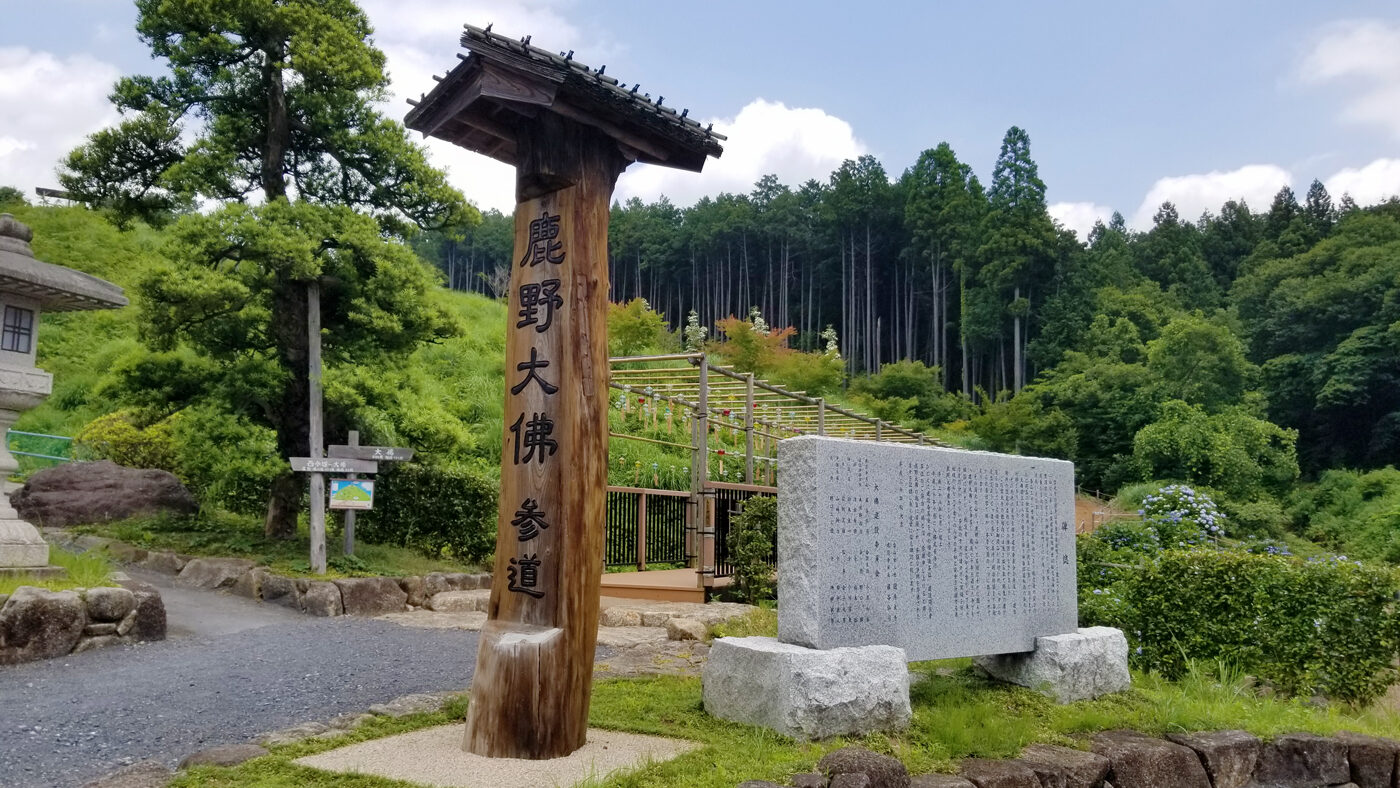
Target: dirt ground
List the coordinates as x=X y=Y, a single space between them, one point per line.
x=1090 y=513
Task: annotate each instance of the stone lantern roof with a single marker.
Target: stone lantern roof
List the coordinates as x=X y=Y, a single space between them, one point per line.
x=55 y=287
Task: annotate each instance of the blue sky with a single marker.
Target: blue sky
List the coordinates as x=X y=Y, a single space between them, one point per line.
x=1196 y=102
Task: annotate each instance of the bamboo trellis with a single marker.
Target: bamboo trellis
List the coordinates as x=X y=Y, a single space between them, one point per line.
x=713 y=398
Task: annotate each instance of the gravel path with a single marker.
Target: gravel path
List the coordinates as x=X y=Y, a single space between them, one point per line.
x=69 y=720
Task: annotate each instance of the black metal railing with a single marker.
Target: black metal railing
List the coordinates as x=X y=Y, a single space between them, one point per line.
x=729 y=502
x=645 y=527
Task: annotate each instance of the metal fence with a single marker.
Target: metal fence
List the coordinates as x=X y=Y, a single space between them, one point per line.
x=37 y=450
x=728 y=503
x=645 y=527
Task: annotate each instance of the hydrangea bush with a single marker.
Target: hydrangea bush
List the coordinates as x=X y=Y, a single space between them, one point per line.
x=1182 y=517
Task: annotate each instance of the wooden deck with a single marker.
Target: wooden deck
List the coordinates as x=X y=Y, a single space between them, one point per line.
x=663 y=585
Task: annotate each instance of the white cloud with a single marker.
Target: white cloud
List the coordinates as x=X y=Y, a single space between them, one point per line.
x=421 y=37
x=1365 y=54
x=1256 y=184
x=1368 y=185
x=794 y=143
x=1079 y=216
x=52 y=104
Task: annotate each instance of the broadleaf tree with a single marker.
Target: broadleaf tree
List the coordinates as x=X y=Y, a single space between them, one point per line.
x=273 y=103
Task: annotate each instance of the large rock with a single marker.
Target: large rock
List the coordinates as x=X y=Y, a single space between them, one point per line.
x=1372 y=759
x=371 y=596
x=460 y=601
x=1076 y=666
x=807 y=693
x=39 y=624
x=883 y=771
x=435 y=583
x=322 y=599
x=74 y=493
x=1065 y=766
x=281 y=591
x=1139 y=761
x=985 y=773
x=620 y=617
x=413 y=587
x=1302 y=760
x=249 y=584
x=685 y=629
x=109 y=604
x=147 y=621
x=213 y=572
x=1229 y=756
x=165 y=563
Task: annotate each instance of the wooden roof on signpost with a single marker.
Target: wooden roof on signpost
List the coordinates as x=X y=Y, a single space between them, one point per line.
x=483 y=103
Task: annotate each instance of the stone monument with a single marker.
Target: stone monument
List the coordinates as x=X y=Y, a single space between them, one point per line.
x=27 y=287
x=893 y=553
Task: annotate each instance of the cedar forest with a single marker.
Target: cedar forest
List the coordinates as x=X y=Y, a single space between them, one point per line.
x=1232 y=350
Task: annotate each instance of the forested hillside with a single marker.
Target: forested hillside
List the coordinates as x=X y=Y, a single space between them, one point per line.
x=1280 y=315
x=1242 y=351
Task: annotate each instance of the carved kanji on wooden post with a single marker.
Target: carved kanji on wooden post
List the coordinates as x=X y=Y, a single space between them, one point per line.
x=570 y=131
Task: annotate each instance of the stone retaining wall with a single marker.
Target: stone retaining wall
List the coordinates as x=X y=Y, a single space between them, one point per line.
x=1128 y=759
x=39 y=624
x=351 y=596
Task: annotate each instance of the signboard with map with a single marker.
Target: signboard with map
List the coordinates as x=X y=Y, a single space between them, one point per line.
x=352 y=494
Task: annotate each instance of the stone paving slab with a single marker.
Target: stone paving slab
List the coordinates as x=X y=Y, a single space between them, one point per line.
x=668 y=658
x=625 y=637
x=434 y=757
x=428 y=619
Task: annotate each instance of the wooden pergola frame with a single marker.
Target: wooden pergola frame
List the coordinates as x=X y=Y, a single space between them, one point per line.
x=719 y=395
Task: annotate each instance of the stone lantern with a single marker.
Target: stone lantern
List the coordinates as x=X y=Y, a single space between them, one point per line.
x=28 y=287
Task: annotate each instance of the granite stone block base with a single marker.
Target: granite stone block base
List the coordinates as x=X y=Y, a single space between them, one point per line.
x=807 y=693
x=1076 y=666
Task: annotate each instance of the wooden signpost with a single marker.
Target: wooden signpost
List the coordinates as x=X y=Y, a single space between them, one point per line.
x=347 y=458
x=570 y=131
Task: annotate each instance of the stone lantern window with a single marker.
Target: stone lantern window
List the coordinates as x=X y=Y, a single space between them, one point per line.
x=27 y=288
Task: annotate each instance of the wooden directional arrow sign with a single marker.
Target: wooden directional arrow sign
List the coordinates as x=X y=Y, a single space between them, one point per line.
x=385 y=453
x=333 y=465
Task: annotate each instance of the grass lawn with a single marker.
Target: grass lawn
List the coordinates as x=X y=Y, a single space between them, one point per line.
x=957 y=714
x=86 y=570
x=231 y=536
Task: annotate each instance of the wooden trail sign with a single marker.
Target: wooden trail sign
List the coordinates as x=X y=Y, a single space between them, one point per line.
x=332 y=465
x=380 y=453
x=570 y=131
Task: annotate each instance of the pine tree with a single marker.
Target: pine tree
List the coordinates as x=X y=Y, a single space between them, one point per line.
x=270 y=102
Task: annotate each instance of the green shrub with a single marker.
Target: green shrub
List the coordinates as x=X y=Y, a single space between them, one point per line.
x=1308 y=627
x=1234 y=451
x=121 y=438
x=441 y=510
x=1131 y=536
x=1259 y=517
x=751 y=536
x=1352 y=512
x=228 y=462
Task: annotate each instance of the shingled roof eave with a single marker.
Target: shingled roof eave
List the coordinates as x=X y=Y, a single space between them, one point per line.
x=575 y=81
